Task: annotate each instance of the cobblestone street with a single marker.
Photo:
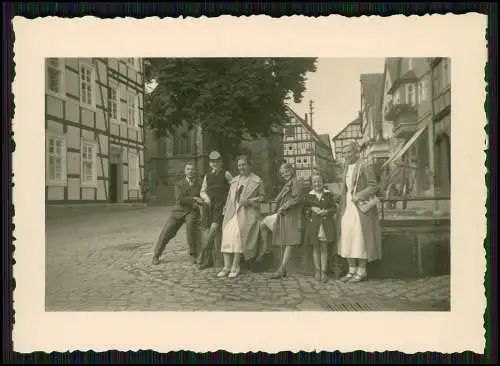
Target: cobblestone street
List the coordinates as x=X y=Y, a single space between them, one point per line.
x=102 y=262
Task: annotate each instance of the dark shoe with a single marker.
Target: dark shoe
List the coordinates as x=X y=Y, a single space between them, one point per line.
x=358 y=278
x=204 y=266
x=336 y=274
x=156 y=261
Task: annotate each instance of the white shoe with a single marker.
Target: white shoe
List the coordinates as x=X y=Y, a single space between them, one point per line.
x=234 y=273
x=223 y=273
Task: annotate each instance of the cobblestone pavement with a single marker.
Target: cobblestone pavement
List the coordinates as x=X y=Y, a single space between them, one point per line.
x=101 y=262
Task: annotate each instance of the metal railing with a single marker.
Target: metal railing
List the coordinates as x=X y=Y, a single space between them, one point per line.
x=268 y=206
x=406 y=199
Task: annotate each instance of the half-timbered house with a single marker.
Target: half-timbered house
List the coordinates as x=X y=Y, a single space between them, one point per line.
x=94 y=130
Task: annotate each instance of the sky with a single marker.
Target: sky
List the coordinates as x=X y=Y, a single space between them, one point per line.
x=335 y=90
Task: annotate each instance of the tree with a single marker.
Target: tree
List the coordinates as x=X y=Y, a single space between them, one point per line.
x=233 y=99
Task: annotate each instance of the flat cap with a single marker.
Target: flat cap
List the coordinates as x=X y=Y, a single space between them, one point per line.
x=214 y=155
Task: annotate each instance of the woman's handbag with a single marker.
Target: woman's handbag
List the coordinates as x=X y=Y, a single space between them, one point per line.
x=365 y=205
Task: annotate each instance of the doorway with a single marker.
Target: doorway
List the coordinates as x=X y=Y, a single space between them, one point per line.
x=444 y=164
x=113 y=182
x=115 y=175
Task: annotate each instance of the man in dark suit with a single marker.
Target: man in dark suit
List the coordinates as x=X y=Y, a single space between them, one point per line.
x=186 y=210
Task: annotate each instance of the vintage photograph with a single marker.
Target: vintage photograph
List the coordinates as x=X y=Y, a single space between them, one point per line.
x=247 y=184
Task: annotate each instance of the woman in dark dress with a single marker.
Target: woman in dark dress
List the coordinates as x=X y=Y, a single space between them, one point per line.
x=320 y=209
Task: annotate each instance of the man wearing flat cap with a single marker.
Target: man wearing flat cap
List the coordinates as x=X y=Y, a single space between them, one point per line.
x=214 y=190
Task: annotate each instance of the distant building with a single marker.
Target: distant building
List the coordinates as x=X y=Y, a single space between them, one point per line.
x=94 y=130
x=305 y=149
x=352 y=132
x=167 y=155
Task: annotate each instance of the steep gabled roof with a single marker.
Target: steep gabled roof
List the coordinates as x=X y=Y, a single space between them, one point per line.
x=420 y=66
x=326 y=139
x=357 y=121
x=313 y=133
x=371 y=86
x=393 y=67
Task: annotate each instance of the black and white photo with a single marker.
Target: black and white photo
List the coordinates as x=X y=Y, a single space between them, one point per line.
x=199 y=184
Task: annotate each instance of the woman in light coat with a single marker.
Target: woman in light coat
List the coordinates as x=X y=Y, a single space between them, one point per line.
x=360 y=232
x=240 y=227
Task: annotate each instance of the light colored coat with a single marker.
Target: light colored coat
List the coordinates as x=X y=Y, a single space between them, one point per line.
x=370 y=222
x=248 y=217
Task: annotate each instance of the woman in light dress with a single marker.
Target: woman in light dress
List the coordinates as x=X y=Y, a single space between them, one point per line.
x=240 y=227
x=360 y=232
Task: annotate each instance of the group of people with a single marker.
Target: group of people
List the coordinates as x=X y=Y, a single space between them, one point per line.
x=332 y=225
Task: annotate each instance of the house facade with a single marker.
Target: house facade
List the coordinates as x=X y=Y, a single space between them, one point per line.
x=418 y=105
x=352 y=132
x=94 y=130
x=304 y=149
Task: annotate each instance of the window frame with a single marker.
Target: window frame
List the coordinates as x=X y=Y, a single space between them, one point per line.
x=63 y=182
x=93 y=182
x=138 y=170
x=134 y=64
x=445 y=73
x=135 y=97
x=409 y=102
x=397 y=97
x=62 y=80
x=91 y=68
x=113 y=84
x=422 y=90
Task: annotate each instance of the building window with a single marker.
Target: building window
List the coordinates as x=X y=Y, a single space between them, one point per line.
x=422 y=91
x=114 y=102
x=446 y=72
x=133 y=62
x=132 y=110
x=87 y=86
x=55 y=164
x=410 y=94
x=133 y=171
x=289 y=132
x=55 y=76
x=396 y=97
x=436 y=81
x=182 y=142
x=89 y=163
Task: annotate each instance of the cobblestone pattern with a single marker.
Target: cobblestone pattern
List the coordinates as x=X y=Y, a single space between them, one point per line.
x=103 y=263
